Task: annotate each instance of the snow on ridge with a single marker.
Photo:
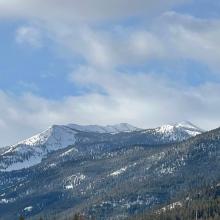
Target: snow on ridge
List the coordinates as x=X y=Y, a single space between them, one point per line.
x=55 y=137
x=52 y=136
x=184 y=126
x=69 y=152
x=118 y=172
x=187 y=125
x=65 y=134
x=122 y=127
x=31 y=151
x=122 y=170
x=37 y=139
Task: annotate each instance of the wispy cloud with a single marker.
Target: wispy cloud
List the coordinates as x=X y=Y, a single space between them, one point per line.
x=29 y=35
x=169 y=37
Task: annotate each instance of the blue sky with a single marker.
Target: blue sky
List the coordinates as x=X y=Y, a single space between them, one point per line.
x=103 y=62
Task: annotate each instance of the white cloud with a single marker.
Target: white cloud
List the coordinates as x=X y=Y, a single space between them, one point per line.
x=148 y=101
x=191 y=38
x=170 y=37
x=73 y=25
x=29 y=35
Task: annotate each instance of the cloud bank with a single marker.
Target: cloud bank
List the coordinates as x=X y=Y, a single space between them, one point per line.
x=69 y=11
x=142 y=100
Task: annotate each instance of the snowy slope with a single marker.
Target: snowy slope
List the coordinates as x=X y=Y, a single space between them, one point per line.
x=179 y=131
x=122 y=127
x=32 y=150
x=190 y=128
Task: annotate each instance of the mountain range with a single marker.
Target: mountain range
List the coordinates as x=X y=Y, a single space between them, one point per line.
x=105 y=172
x=31 y=151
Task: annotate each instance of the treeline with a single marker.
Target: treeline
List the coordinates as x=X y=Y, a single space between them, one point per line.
x=75 y=217
x=204 y=205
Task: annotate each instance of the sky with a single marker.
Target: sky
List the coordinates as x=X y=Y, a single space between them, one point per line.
x=144 y=62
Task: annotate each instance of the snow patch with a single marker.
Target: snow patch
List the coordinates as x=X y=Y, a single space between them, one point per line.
x=28 y=209
x=68 y=152
x=73 y=180
x=176 y=131
x=118 y=172
x=172 y=206
x=6 y=201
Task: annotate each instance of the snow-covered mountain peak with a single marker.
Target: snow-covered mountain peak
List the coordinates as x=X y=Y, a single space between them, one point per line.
x=40 y=138
x=50 y=136
x=174 y=131
x=32 y=150
x=63 y=133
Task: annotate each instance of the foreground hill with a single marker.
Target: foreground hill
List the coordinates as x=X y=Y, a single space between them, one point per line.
x=202 y=203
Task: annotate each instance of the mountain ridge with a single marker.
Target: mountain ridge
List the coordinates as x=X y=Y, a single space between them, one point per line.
x=117 y=128
x=32 y=150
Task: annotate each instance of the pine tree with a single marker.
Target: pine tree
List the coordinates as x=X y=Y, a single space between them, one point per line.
x=21 y=218
x=76 y=217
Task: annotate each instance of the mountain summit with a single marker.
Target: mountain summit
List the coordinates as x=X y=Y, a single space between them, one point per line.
x=179 y=130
